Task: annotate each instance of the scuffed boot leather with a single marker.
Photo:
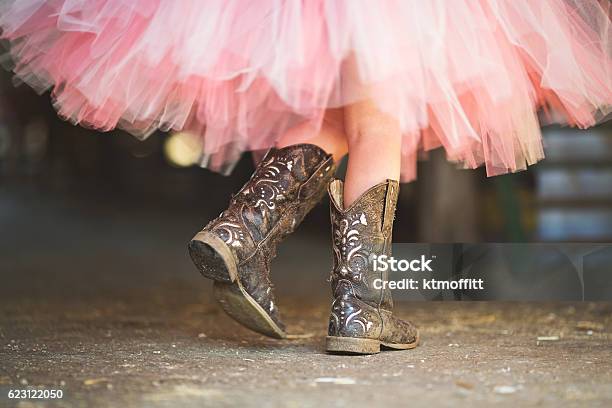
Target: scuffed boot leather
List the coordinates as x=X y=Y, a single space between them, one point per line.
x=361 y=318
x=235 y=249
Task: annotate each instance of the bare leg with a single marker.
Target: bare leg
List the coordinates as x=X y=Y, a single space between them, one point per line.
x=374 y=138
x=330 y=137
x=374 y=143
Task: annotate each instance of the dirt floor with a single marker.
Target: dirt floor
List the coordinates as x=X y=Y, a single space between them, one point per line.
x=159 y=351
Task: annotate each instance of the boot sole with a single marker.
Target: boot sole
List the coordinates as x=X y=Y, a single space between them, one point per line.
x=215 y=261
x=355 y=345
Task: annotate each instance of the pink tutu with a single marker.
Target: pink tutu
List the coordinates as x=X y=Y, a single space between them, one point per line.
x=468 y=75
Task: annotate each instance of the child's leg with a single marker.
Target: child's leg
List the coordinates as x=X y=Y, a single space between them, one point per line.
x=374 y=144
x=330 y=138
x=362 y=228
x=374 y=138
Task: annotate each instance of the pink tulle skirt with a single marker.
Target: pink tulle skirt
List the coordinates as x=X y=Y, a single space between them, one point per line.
x=473 y=76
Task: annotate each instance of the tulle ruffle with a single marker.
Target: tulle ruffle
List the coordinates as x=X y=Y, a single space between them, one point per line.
x=468 y=75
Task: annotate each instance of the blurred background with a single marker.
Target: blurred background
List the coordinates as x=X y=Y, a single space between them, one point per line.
x=93 y=206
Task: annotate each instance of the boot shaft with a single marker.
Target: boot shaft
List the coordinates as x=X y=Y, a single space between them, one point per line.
x=359 y=233
x=285 y=186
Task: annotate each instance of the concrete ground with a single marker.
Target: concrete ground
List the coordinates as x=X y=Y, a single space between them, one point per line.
x=106 y=306
x=163 y=350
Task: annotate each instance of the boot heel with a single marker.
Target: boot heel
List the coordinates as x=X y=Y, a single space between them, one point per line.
x=352 y=345
x=213 y=257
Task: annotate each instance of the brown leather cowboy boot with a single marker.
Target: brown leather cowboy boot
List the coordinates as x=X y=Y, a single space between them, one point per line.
x=361 y=318
x=236 y=248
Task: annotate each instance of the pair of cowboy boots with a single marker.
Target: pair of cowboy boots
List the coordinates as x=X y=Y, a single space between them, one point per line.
x=236 y=248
